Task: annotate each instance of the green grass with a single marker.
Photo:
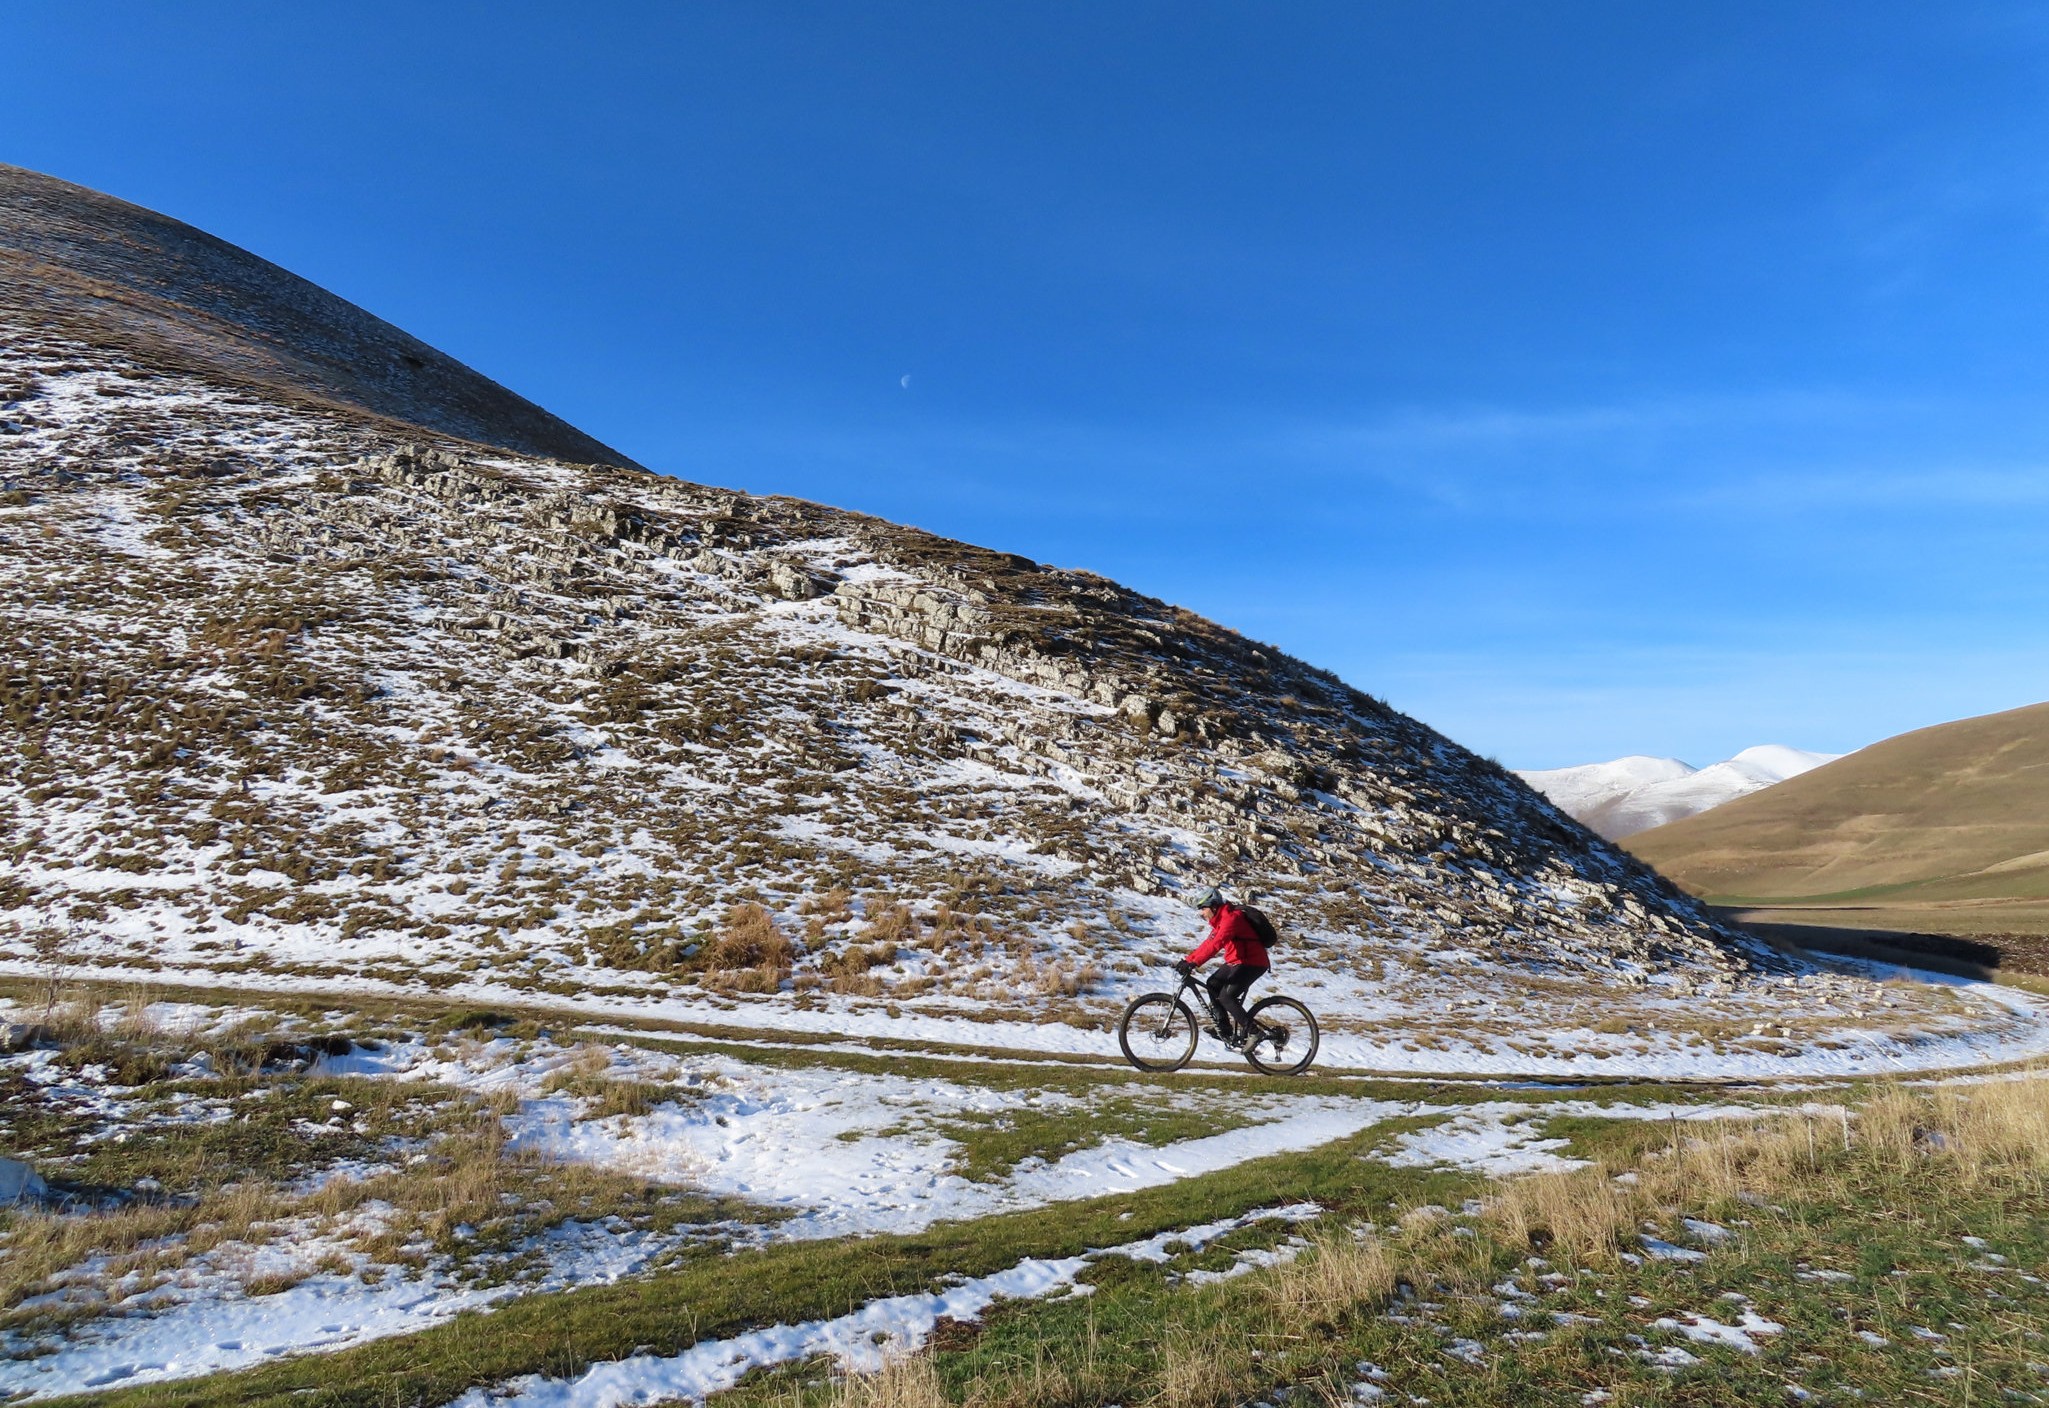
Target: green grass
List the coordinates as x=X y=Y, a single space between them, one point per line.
x=1888 y=1223
x=561 y=1334
x=264 y=1136
x=1888 y=1217
x=170 y=1169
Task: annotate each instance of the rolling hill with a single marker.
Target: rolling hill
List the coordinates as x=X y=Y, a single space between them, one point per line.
x=1946 y=826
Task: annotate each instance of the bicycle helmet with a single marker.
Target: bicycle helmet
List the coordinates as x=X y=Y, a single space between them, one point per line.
x=1210 y=898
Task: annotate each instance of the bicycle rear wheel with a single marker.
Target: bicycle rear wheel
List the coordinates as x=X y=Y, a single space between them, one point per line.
x=1157 y=1032
x=1292 y=1037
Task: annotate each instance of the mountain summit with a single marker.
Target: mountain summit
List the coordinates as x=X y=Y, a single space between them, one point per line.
x=304 y=693
x=1634 y=794
x=99 y=272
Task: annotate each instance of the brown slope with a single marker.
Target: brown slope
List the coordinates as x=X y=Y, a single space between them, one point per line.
x=110 y=274
x=1957 y=812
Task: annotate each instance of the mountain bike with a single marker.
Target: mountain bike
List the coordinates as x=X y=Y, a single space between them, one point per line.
x=1159 y=1033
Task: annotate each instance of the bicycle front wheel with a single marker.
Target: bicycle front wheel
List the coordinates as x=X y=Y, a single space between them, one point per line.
x=1288 y=1039
x=1157 y=1032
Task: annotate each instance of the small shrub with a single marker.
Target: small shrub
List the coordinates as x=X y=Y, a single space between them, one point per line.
x=749 y=938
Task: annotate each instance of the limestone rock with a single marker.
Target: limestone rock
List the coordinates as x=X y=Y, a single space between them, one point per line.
x=20 y=1184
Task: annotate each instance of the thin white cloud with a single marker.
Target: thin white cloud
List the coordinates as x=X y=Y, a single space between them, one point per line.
x=1940 y=487
x=1494 y=427
x=1547 y=710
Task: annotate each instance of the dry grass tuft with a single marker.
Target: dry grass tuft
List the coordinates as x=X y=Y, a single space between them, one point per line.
x=1199 y=1367
x=895 y=924
x=750 y=953
x=1579 y=1216
x=1055 y=979
x=1054 y=1376
x=70 y=1017
x=849 y=969
x=750 y=939
x=140 y=1241
x=835 y=906
x=906 y=1381
x=1339 y=1273
x=1978 y=1130
x=589 y=1075
x=135 y=1023
x=1980 y=1133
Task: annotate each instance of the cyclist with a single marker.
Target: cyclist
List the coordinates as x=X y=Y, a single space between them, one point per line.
x=1245 y=962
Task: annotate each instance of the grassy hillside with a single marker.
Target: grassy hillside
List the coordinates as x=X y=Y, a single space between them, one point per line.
x=1947 y=817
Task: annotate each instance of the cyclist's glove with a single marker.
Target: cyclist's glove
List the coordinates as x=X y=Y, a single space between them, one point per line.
x=1184 y=967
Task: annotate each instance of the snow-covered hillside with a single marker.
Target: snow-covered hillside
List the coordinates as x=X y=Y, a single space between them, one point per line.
x=1633 y=794
x=303 y=697
x=300 y=696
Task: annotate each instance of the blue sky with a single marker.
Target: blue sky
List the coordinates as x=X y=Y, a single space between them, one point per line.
x=1583 y=378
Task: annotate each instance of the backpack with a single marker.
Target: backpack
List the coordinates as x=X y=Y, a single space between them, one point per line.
x=1261 y=925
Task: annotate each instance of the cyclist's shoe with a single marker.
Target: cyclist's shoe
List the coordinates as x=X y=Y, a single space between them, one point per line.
x=1238 y=1041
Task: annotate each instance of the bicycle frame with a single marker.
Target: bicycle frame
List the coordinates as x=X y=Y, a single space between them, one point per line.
x=1200 y=992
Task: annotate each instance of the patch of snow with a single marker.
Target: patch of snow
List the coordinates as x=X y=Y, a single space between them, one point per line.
x=204 y=1323
x=1660 y=1250
x=1708 y=1234
x=859 y=1341
x=1702 y=1329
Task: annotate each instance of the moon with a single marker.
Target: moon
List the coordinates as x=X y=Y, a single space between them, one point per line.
x=905 y=383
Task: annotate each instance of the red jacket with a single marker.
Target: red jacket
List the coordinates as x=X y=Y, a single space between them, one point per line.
x=1232 y=932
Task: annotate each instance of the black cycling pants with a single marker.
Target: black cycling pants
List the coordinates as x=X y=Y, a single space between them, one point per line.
x=1227 y=990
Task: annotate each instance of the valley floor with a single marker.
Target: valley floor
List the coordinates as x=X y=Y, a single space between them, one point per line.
x=2010 y=938
x=633 y=1213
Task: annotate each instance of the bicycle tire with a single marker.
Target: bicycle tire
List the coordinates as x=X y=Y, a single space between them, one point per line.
x=1300 y=1037
x=1164 y=1030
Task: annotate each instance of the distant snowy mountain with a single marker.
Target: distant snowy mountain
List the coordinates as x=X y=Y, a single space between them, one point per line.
x=1636 y=793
